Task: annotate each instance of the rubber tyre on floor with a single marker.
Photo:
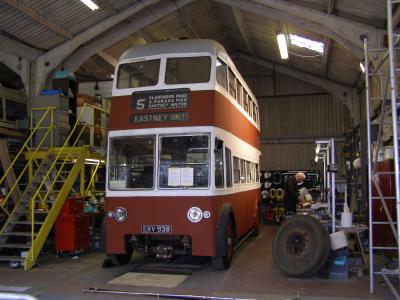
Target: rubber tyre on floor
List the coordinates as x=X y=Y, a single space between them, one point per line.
x=227 y=235
x=301 y=246
x=122 y=259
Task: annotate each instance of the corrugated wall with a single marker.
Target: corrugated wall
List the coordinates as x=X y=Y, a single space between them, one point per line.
x=293 y=114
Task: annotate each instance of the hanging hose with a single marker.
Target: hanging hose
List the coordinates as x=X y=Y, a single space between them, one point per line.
x=279 y=194
x=272 y=193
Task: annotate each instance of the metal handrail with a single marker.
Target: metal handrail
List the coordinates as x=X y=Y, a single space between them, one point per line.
x=29 y=139
x=25 y=145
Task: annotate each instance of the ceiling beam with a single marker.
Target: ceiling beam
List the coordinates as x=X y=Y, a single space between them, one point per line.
x=241 y=24
x=328 y=44
x=107 y=5
x=327 y=57
x=18 y=49
x=120 y=32
x=48 y=61
x=345 y=32
x=188 y=22
x=343 y=93
x=145 y=36
x=221 y=32
x=38 y=17
x=108 y=58
x=346 y=28
x=55 y=56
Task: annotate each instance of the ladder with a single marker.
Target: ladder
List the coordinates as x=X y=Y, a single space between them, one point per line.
x=52 y=173
x=381 y=77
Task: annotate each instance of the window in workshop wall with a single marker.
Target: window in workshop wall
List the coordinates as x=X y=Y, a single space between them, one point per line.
x=15 y=110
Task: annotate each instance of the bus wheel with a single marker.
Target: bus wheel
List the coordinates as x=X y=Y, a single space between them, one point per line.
x=122 y=259
x=226 y=234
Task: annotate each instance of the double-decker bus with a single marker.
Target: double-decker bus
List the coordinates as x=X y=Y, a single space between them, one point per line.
x=183 y=154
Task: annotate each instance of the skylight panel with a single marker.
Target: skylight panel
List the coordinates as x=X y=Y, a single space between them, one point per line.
x=306 y=43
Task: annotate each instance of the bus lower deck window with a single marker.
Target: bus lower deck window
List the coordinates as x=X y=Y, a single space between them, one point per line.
x=132 y=163
x=184 y=161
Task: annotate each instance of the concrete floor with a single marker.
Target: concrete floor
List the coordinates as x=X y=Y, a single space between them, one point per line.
x=252 y=275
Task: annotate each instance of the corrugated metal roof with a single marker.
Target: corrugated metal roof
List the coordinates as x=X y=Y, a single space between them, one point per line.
x=209 y=19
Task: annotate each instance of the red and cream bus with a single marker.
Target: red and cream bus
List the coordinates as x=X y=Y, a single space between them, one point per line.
x=183 y=154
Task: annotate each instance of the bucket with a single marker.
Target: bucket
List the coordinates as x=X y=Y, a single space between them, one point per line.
x=338 y=240
x=346 y=219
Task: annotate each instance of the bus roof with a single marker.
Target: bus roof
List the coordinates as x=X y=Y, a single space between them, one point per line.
x=175 y=46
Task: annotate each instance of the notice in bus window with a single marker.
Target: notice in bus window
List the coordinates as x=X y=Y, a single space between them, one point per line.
x=174 y=176
x=187 y=176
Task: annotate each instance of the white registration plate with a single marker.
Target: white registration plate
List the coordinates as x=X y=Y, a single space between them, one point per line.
x=156 y=229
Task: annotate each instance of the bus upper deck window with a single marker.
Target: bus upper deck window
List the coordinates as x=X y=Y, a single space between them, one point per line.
x=181 y=70
x=132 y=163
x=138 y=74
x=221 y=74
x=232 y=83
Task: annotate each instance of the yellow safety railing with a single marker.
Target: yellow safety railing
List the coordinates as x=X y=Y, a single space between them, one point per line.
x=48 y=114
x=63 y=155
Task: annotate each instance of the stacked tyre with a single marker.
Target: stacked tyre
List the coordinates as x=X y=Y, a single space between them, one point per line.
x=301 y=246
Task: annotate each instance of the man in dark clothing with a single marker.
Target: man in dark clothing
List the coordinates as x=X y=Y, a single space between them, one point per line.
x=292 y=192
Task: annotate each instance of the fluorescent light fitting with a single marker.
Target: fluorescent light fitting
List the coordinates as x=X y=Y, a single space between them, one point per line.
x=306 y=43
x=90 y=4
x=362 y=67
x=282 y=45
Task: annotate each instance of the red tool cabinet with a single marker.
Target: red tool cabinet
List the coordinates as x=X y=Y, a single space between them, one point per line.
x=72 y=226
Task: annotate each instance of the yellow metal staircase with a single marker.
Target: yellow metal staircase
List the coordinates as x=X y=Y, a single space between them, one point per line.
x=52 y=173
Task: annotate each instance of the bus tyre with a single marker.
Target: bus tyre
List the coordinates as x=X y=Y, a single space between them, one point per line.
x=225 y=235
x=301 y=246
x=122 y=259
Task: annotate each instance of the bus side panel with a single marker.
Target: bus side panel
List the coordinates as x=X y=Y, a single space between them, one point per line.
x=202 y=112
x=244 y=206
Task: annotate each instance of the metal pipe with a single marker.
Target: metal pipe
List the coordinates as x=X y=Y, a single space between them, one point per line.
x=367 y=105
x=333 y=186
x=158 y=295
x=324 y=189
x=328 y=182
x=394 y=113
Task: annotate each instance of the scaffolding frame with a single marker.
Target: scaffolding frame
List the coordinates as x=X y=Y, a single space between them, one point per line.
x=387 y=90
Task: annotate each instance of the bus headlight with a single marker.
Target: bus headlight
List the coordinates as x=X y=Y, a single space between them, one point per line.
x=120 y=214
x=194 y=214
